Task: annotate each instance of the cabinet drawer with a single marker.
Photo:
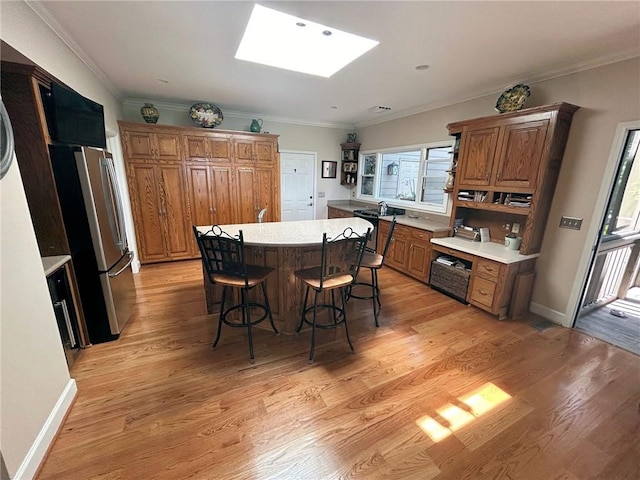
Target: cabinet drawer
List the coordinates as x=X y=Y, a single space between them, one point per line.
x=483 y=291
x=420 y=235
x=402 y=231
x=487 y=269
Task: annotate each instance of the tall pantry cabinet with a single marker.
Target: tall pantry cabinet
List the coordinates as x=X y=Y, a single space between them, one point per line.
x=179 y=177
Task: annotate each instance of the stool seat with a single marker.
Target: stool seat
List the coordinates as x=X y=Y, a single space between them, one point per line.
x=312 y=277
x=255 y=275
x=371 y=260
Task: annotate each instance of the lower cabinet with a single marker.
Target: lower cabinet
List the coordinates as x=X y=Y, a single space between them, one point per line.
x=338 y=213
x=503 y=289
x=409 y=251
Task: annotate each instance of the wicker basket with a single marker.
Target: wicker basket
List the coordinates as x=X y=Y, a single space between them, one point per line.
x=452 y=281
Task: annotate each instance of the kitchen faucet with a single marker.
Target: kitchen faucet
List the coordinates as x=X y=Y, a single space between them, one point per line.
x=261 y=214
x=382 y=208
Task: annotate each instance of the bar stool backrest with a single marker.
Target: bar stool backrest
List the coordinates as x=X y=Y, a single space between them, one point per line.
x=387 y=242
x=342 y=255
x=222 y=253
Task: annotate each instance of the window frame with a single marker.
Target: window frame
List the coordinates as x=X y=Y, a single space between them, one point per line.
x=416 y=204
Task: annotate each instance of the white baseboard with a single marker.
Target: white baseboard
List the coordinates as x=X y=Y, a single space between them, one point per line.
x=135 y=266
x=545 y=312
x=38 y=450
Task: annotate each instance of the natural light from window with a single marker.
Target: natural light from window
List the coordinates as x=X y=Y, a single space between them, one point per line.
x=476 y=403
x=284 y=41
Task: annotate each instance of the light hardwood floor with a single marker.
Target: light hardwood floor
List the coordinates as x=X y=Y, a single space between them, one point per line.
x=439 y=391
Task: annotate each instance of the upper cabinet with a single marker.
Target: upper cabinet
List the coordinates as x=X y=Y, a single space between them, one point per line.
x=146 y=145
x=507 y=168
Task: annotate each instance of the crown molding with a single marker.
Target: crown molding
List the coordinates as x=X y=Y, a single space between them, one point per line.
x=184 y=107
x=551 y=74
x=52 y=23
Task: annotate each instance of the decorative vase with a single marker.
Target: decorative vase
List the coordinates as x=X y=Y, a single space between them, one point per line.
x=149 y=113
x=256 y=125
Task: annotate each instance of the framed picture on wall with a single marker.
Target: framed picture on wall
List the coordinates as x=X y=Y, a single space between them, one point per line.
x=329 y=169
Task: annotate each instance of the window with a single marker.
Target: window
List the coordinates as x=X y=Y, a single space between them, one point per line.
x=412 y=177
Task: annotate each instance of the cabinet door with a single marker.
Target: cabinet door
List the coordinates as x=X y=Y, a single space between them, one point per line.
x=246 y=195
x=195 y=147
x=145 y=202
x=243 y=150
x=520 y=154
x=475 y=161
x=265 y=152
x=138 y=145
x=420 y=255
x=268 y=193
x=223 y=206
x=177 y=224
x=200 y=192
x=398 y=254
x=167 y=146
x=220 y=148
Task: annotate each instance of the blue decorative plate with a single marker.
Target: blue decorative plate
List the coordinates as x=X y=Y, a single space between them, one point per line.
x=512 y=99
x=205 y=115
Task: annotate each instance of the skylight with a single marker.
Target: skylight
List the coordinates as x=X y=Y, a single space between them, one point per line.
x=284 y=41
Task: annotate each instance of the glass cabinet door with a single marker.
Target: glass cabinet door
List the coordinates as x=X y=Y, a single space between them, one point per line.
x=368 y=174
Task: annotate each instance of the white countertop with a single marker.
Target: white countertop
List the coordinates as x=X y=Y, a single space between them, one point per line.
x=490 y=250
x=292 y=234
x=53 y=263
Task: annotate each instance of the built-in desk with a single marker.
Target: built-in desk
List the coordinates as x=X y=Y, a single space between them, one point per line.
x=500 y=280
x=286 y=247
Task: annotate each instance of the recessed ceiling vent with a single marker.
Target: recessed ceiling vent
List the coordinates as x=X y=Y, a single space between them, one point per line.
x=379 y=109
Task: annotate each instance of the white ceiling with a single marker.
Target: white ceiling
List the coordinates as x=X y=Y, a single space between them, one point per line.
x=473 y=49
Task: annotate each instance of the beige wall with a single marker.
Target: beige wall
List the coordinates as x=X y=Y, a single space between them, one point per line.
x=33 y=367
x=607 y=96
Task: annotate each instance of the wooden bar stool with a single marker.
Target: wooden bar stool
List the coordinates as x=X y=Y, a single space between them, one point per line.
x=340 y=263
x=224 y=261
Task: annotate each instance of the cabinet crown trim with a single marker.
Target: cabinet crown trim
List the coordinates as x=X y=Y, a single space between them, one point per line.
x=456 y=127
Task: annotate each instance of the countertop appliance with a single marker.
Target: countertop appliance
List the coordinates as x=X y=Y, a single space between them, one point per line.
x=94 y=222
x=373 y=215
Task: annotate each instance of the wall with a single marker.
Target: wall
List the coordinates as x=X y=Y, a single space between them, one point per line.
x=34 y=375
x=36 y=388
x=325 y=141
x=607 y=96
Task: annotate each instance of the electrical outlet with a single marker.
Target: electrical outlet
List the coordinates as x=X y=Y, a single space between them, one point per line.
x=573 y=223
x=507 y=227
x=353 y=194
x=515 y=228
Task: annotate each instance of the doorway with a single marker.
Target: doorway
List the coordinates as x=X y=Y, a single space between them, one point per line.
x=297 y=172
x=609 y=308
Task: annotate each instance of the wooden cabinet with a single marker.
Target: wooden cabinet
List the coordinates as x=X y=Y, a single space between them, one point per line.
x=409 y=251
x=503 y=289
x=506 y=170
x=143 y=145
x=179 y=177
x=159 y=212
x=349 y=169
x=333 y=212
x=22 y=89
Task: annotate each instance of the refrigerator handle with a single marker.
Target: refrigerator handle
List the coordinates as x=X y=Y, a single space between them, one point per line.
x=111 y=275
x=112 y=199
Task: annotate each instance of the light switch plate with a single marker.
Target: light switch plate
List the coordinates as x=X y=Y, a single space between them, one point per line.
x=573 y=223
x=515 y=228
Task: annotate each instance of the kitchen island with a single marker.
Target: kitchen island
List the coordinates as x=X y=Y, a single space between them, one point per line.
x=286 y=247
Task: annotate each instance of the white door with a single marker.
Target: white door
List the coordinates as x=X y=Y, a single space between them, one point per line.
x=297 y=185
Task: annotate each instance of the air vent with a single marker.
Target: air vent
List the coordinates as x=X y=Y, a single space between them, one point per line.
x=379 y=109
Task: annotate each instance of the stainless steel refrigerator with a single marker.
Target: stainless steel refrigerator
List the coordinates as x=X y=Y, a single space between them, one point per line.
x=94 y=222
